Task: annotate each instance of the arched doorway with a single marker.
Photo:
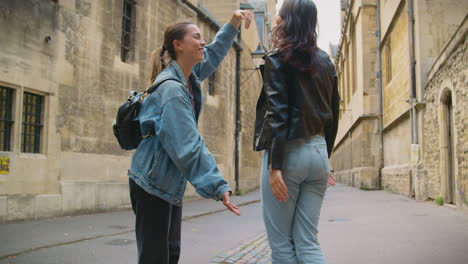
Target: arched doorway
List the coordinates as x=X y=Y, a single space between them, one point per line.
x=448 y=183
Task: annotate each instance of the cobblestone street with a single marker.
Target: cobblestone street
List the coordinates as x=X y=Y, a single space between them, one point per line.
x=252 y=251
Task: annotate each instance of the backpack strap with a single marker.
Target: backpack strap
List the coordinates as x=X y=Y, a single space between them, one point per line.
x=153 y=87
x=149 y=91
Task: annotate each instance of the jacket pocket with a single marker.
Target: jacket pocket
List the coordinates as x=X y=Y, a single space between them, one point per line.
x=152 y=173
x=143 y=158
x=164 y=174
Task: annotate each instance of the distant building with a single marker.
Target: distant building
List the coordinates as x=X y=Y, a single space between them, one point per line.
x=265 y=12
x=403 y=88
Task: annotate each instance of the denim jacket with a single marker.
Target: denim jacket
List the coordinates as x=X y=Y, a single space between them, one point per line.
x=163 y=163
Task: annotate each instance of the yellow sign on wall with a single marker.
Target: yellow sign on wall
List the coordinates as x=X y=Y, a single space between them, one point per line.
x=4 y=165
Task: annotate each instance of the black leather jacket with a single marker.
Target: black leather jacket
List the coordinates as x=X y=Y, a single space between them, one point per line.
x=295 y=104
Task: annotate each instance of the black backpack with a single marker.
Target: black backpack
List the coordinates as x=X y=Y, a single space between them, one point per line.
x=126 y=126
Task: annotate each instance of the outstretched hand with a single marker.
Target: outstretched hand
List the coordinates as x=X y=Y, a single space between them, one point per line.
x=240 y=15
x=227 y=202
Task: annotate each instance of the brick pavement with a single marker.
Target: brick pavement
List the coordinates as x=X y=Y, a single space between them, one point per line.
x=251 y=251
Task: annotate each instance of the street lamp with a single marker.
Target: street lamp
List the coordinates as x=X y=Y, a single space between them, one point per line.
x=259 y=52
x=257 y=56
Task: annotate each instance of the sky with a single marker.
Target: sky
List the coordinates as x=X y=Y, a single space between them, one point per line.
x=328 y=21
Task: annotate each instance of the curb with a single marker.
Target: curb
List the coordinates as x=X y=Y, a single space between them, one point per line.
x=12 y=255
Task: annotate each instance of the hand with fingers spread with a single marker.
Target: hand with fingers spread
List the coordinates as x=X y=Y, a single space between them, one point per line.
x=279 y=188
x=227 y=202
x=240 y=15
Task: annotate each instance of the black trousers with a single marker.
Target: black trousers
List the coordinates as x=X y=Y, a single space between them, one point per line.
x=157 y=227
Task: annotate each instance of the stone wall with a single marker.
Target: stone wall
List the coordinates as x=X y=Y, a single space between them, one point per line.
x=436 y=22
x=355 y=157
x=449 y=76
x=356 y=154
x=397 y=148
x=397 y=90
x=396 y=179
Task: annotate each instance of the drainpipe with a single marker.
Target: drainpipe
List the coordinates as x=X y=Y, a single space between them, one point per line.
x=351 y=158
x=413 y=99
x=379 y=88
x=238 y=121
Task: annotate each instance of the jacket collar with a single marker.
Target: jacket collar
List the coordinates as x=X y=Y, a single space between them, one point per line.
x=173 y=71
x=178 y=71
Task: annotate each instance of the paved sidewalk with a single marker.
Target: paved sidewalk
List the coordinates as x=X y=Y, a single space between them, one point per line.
x=356 y=227
x=23 y=237
x=369 y=227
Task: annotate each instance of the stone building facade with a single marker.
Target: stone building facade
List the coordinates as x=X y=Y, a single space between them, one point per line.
x=66 y=67
x=446 y=122
x=398 y=60
x=356 y=154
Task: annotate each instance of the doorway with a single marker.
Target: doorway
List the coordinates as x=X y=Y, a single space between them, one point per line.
x=447 y=149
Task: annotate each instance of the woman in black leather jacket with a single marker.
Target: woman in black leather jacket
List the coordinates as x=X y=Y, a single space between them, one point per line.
x=297 y=120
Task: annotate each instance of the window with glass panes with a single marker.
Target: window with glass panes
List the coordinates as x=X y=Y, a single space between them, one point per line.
x=6 y=122
x=32 y=123
x=127 y=26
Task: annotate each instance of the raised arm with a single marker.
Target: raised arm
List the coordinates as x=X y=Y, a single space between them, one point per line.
x=217 y=50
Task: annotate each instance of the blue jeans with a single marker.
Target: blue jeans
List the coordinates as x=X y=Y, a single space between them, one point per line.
x=292 y=225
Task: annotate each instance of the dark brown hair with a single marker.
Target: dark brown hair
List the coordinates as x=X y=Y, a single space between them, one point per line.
x=296 y=37
x=173 y=32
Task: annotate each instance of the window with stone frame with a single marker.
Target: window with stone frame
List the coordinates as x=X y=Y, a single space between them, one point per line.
x=340 y=88
x=6 y=118
x=128 y=21
x=348 y=74
x=343 y=84
x=31 y=132
x=354 y=58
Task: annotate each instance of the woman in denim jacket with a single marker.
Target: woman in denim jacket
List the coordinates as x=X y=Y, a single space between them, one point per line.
x=297 y=121
x=175 y=153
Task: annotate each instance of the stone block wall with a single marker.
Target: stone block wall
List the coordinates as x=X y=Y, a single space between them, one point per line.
x=355 y=158
x=396 y=179
x=397 y=148
x=397 y=90
x=450 y=77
